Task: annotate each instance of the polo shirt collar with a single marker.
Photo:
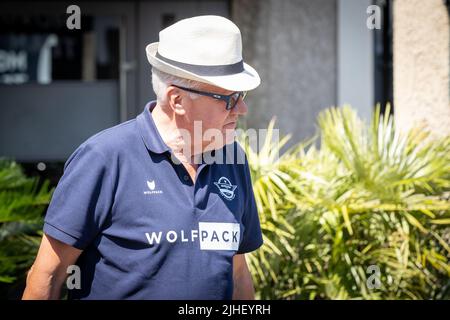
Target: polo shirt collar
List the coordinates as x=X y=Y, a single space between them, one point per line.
x=149 y=132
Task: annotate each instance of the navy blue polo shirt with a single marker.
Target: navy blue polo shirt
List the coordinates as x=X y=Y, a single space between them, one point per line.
x=146 y=230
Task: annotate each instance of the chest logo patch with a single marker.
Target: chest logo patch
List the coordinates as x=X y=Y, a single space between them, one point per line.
x=151 y=188
x=151 y=184
x=226 y=188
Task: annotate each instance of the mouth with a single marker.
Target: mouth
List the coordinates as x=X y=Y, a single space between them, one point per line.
x=230 y=125
x=231 y=122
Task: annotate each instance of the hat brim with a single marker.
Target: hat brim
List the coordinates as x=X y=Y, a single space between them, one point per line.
x=243 y=81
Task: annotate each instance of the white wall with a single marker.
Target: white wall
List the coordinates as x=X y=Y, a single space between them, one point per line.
x=421 y=65
x=292 y=44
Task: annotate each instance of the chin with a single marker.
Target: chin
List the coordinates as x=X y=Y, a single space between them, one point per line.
x=228 y=137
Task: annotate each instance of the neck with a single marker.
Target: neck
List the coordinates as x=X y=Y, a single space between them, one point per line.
x=169 y=129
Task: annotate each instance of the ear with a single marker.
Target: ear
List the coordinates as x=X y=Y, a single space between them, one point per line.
x=175 y=98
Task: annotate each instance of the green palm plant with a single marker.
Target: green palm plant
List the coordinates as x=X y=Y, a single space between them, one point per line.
x=22 y=202
x=275 y=201
x=368 y=196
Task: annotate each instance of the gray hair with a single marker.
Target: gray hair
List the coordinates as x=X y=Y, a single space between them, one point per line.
x=161 y=80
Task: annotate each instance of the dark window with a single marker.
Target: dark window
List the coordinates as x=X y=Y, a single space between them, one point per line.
x=42 y=49
x=383 y=57
x=167 y=20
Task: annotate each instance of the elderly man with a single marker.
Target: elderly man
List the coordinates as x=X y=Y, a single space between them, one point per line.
x=138 y=209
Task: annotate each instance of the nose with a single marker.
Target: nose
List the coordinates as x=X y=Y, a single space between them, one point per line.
x=241 y=108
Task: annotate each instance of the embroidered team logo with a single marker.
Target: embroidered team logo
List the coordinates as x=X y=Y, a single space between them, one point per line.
x=151 y=188
x=226 y=188
x=151 y=184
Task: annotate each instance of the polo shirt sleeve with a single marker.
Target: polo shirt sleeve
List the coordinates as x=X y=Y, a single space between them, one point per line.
x=82 y=199
x=252 y=237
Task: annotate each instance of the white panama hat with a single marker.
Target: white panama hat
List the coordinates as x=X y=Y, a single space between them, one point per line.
x=206 y=49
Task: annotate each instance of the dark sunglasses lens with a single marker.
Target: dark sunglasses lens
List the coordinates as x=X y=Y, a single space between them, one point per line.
x=234 y=100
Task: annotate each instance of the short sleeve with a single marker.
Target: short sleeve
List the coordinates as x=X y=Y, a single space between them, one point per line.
x=252 y=237
x=82 y=199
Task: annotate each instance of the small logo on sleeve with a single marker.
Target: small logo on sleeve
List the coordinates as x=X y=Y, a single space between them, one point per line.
x=226 y=188
x=151 y=188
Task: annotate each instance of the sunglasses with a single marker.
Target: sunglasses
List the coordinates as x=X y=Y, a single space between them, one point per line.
x=231 y=100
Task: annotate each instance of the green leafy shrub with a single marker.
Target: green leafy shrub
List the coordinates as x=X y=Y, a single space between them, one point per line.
x=368 y=197
x=22 y=202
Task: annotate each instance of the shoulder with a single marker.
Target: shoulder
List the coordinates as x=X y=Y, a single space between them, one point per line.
x=113 y=139
x=107 y=144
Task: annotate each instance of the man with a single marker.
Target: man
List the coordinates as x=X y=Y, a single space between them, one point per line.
x=138 y=209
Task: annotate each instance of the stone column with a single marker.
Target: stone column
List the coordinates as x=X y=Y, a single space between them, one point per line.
x=292 y=44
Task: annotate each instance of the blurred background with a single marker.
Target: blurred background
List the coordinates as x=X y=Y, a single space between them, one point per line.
x=59 y=86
